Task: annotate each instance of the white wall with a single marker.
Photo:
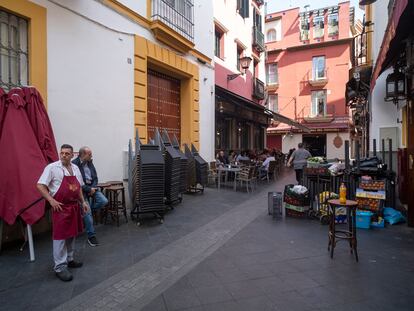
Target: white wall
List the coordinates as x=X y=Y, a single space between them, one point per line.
x=289 y=142
x=239 y=28
x=380 y=19
x=383 y=114
x=91 y=79
x=331 y=151
x=204 y=27
x=90 y=88
x=139 y=6
x=207 y=113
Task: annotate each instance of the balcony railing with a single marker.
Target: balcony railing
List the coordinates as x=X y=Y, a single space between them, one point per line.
x=258 y=39
x=258 y=89
x=359 y=50
x=178 y=15
x=315 y=79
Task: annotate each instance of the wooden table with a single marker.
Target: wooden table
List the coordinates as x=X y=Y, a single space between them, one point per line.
x=350 y=234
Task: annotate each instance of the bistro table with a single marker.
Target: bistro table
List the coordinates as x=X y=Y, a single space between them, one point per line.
x=350 y=234
x=226 y=171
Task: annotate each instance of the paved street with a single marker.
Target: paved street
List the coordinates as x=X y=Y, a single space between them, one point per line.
x=218 y=251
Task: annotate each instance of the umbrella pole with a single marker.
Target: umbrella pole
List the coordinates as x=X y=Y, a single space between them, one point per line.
x=31 y=247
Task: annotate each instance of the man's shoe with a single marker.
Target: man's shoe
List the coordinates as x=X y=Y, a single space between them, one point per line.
x=64 y=275
x=74 y=264
x=93 y=241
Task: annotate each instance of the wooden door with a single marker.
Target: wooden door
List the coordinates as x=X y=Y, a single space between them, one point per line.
x=163 y=104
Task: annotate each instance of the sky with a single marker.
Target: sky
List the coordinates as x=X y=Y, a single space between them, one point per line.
x=279 y=5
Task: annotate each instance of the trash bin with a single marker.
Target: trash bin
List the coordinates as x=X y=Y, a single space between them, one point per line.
x=275 y=205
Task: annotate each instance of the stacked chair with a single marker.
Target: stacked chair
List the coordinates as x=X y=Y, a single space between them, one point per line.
x=147 y=180
x=172 y=170
x=191 y=171
x=201 y=168
x=183 y=167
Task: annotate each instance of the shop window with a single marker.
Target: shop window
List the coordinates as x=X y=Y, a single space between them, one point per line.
x=243 y=8
x=318 y=108
x=219 y=44
x=333 y=24
x=318 y=26
x=271 y=35
x=272 y=103
x=318 y=68
x=13 y=50
x=272 y=74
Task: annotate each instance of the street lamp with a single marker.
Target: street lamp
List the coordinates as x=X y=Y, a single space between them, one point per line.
x=244 y=63
x=395 y=86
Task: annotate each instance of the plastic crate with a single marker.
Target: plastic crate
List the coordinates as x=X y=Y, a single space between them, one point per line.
x=363 y=219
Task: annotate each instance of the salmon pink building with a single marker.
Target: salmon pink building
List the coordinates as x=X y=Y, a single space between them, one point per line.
x=307 y=68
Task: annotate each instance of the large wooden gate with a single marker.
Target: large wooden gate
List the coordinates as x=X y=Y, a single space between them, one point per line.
x=163 y=104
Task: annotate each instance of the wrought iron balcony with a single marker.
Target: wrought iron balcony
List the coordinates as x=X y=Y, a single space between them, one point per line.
x=258 y=89
x=178 y=15
x=359 y=50
x=258 y=39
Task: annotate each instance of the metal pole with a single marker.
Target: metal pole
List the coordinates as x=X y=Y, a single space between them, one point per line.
x=374 y=146
x=357 y=155
x=383 y=151
x=390 y=155
x=31 y=247
x=347 y=155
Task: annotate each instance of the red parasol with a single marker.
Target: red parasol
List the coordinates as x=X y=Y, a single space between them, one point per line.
x=21 y=164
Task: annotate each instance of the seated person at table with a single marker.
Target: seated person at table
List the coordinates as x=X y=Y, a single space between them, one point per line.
x=242 y=157
x=90 y=190
x=232 y=156
x=222 y=159
x=265 y=166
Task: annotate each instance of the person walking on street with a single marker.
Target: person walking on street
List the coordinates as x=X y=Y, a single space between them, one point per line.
x=96 y=198
x=60 y=184
x=299 y=158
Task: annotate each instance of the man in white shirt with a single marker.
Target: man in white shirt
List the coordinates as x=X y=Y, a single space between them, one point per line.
x=265 y=166
x=60 y=184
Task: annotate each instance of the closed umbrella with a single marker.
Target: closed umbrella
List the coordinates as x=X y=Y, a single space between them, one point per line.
x=21 y=164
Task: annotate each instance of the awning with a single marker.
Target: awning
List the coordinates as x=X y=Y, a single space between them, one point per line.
x=391 y=41
x=337 y=124
x=286 y=120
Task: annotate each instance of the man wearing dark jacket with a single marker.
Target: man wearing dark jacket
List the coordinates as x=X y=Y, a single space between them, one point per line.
x=90 y=190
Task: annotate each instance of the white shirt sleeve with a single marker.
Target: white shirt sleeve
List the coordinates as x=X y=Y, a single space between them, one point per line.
x=46 y=176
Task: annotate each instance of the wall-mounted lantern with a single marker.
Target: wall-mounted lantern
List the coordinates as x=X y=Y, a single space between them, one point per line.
x=395 y=86
x=244 y=64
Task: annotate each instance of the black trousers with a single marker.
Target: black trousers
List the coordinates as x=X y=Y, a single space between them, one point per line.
x=299 y=176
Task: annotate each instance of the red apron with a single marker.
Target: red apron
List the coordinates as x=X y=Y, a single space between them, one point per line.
x=68 y=222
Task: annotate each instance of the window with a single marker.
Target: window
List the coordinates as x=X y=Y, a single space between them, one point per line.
x=239 y=55
x=318 y=68
x=271 y=74
x=257 y=20
x=304 y=27
x=13 y=51
x=271 y=35
x=318 y=103
x=272 y=103
x=318 y=26
x=218 y=43
x=243 y=8
x=333 y=28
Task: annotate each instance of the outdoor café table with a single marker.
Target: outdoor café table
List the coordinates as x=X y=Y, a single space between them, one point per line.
x=350 y=234
x=226 y=171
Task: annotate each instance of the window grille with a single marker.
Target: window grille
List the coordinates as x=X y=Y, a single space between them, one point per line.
x=13 y=51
